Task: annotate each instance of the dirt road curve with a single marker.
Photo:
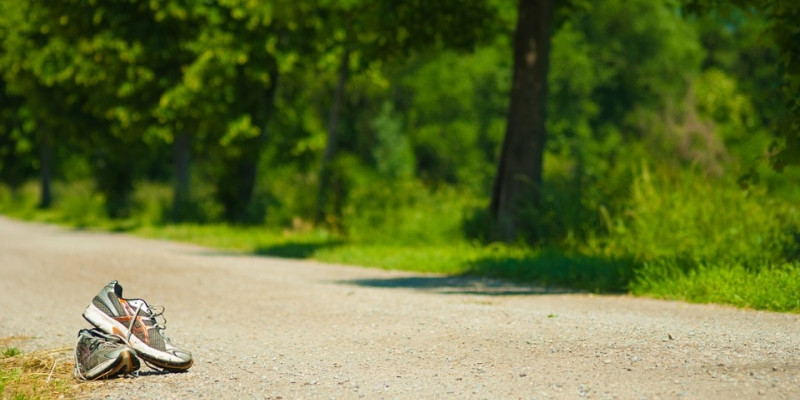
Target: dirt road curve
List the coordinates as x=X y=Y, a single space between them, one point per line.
x=270 y=328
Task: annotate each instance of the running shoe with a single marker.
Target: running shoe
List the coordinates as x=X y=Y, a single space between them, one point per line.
x=99 y=355
x=135 y=322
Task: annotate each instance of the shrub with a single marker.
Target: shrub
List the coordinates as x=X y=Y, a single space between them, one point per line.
x=690 y=217
x=406 y=212
x=78 y=203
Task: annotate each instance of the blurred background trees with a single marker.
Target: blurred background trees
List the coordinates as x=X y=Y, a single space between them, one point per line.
x=384 y=120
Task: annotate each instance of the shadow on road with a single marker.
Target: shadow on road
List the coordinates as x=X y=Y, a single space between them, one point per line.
x=298 y=250
x=457 y=285
x=292 y=250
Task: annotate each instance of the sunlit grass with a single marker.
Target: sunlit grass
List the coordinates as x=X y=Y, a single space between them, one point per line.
x=40 y=374
x=772 y=287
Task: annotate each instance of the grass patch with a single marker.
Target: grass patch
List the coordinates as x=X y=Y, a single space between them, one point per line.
x=767 y=288
x=10 y=352
x=454 y=259
x=501 y=261
x=559 y=269
x=41 y=374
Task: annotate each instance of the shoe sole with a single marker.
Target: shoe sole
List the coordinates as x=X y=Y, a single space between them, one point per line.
x=147 y=353
x=125 y=363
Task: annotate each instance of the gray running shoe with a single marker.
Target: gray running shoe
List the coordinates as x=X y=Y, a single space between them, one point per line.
x=99 y=356
x=135 y=322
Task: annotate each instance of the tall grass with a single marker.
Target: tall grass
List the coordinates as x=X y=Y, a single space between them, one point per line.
x=699 y=219
x=700 y=239
x=407 y=213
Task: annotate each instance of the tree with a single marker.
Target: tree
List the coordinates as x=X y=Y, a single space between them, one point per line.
x=519 y=172
x=783 y=17
x=367 y=33
x=80 y=71
x=16 y=148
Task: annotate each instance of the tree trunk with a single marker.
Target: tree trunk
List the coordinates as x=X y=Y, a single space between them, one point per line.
x=519 y=173
x=236 y=186
x=333 y=137
x=46 y=173
x=182 y=148
x=115 y=172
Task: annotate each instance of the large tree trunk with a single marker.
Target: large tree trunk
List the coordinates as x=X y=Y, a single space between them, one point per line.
x=182 y=148
x=46 y=172
x=519 y=173
x=333 y=137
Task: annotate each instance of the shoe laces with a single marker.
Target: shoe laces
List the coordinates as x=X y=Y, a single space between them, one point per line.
x=78 y=373
x=156 y=312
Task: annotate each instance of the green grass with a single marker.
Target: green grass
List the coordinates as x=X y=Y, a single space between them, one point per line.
x=41 y=374
x=770 y=288
x=681 y=237
x=10 y=352
x=509 y=262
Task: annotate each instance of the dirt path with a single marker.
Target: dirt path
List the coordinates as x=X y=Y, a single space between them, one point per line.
x=261 y=327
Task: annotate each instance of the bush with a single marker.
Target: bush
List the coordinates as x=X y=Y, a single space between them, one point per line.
x=688 y=216
x=151 y=202
x=407 y=212
x=78 y=203
x=21 y=201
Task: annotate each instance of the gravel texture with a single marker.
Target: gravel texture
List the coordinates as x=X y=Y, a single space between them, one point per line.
x=262 y=327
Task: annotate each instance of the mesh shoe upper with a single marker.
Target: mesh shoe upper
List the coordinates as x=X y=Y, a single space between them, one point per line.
x=124 y=311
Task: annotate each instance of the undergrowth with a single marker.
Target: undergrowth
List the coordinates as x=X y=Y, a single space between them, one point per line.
x=41 y=374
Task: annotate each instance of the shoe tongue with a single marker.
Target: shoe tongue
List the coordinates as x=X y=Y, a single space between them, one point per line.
x=136 y=303
x=117 y=288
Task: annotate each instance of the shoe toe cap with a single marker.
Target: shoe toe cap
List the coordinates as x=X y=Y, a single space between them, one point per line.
x=182 y=354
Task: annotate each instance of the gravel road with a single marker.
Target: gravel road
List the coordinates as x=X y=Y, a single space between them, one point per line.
x=262 y=327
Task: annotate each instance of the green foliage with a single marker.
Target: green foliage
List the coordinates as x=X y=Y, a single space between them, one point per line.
x=643 y=53
x=20 y=201
x=151 y=203
x=770 y=287
x=10 y=352
x=778 y=19
x=80 y=203
x=454 y=108
x=5 y=377
x=720 y=100
x=392 y=153
x=559 y=269
x=696 y=220
x=399 y=212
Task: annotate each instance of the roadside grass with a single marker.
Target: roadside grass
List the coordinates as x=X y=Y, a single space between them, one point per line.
x=764 y=286
x=681 y=239
x=40 y=374
x=772 y=287
x=546 y=267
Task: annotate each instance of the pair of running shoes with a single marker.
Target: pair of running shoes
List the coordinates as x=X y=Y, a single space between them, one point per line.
x=125 y=331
